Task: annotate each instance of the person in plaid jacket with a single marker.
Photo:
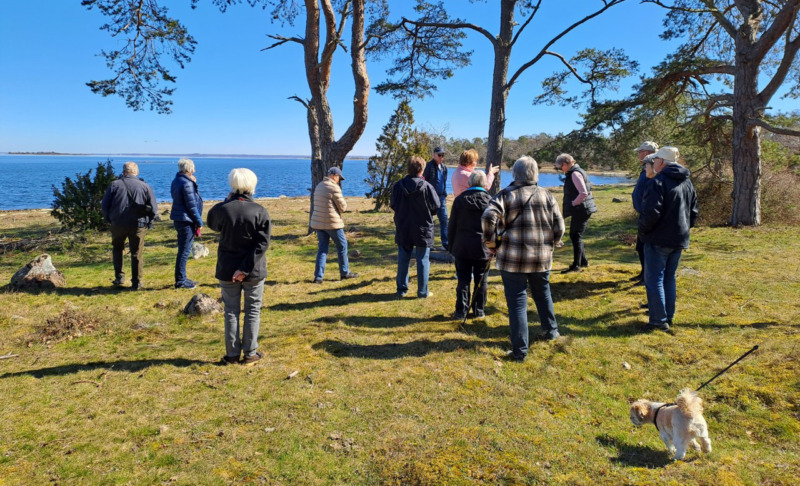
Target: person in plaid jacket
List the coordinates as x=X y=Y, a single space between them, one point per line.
x=531 y=225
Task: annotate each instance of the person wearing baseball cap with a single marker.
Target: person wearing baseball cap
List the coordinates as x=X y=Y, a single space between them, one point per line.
x=435 y=174
x=644 y=150
x=326 y=220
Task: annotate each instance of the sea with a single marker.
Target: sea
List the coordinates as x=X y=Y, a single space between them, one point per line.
x=27 y=181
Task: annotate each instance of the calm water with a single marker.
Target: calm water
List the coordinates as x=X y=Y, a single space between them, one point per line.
x=26 y=180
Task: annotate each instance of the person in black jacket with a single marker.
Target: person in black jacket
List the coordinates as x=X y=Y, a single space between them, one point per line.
x=187 y=214
x=129 y=205
x=466 y=245
x=245 y=229
x=435 y=174
x=668 y=210
x=644 y=150
x=579 y=205
x=414 y=203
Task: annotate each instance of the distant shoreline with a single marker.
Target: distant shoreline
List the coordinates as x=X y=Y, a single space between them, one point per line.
x=216 y=156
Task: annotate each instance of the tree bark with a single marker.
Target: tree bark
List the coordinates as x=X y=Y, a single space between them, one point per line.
x=497 y=111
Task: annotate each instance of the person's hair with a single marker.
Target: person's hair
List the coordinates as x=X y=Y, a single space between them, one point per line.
x=477 y=179
x=186 y=166
x=525 y=169
x=130 y=168
x=468 y=158
x=564 y=159
x=243 y=181
x=415 y=165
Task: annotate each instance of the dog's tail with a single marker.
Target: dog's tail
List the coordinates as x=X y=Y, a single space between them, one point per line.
x=689 y=403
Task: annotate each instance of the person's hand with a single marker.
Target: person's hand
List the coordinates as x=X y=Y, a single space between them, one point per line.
x=495 y=169
x=239 y=276
x=198 y=231
x=559 y=244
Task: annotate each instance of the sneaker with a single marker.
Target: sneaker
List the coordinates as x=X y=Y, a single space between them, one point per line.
x=571 y=268
x=317 y=280
x=229 y=360
x=400 y=295
x=186 y=284
x=118 y=282
x=137 y=286
x=251 y=360
x=651 y=327
x=547 y=337
x=429 y=294
x=510 y=356
x=349 y=275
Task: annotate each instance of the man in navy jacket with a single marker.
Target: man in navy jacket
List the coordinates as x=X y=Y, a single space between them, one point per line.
x=668 y=210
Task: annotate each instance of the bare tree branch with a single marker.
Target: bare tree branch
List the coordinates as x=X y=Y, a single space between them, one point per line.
x=299 y=100
x=569 y=66
x=527 y=21
x=775 y=130
x=282 y=40
x=789 y=54
x=454 y=26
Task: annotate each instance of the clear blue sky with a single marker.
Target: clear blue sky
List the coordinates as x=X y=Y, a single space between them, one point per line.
x=232 y=97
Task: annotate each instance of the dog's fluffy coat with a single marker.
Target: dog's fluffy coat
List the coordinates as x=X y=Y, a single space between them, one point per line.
x=678 y=425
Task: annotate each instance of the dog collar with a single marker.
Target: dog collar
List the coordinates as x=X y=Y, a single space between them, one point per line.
x=655 y=416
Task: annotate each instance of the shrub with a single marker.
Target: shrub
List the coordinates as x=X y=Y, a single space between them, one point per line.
x=77 y=204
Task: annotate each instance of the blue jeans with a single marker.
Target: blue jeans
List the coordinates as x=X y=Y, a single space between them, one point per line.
x=323 y=239
x=515 y=286
x=232 y=300
x=423 y=267
x=442 y=215
x=660 y=264
x=185 y=238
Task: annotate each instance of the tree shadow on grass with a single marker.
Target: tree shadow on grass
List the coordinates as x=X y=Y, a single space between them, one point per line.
x=416 y=349
x=356 y=284
x=386 y=322
x=635 y=455
x=339 y=301
x=129 y=366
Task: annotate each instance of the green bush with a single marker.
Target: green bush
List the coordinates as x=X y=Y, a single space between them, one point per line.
x=77 y=205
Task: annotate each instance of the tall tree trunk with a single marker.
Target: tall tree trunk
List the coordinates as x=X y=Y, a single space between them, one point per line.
x=497 y=111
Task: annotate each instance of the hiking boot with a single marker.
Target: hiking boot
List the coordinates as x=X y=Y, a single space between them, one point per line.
x=251 y=360
x=118 y=282
x=186 y=284
x=510 y=356
x=547 y=337
x=229 y=360
x=137 y=286
x=349 y=275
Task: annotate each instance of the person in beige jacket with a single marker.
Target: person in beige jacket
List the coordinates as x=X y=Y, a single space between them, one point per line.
x=329 y=204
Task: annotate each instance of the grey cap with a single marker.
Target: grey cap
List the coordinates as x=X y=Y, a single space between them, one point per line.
x=648 y=146
x=439 y=150
x=336 y=171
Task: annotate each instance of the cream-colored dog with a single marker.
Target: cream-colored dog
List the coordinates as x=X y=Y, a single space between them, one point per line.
x=678 y=424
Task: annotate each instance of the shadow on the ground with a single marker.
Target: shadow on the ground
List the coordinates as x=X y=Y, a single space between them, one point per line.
x=129 y=366
x=385 y=322
x=635 y=455
x=356 y=283
x=338 y=301
x=417 y=348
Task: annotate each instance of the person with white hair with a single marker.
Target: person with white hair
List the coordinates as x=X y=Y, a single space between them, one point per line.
x=668 y=210
x=643 y=151
x=129 y=205
x=530 y=224
x=187 y=217
x=245 y=230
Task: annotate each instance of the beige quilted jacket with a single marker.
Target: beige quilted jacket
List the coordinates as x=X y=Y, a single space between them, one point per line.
x=329 y=204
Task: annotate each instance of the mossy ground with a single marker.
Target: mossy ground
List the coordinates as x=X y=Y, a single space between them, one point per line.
x=390 y=391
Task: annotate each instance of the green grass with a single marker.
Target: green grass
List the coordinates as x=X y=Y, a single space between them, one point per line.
x=389 y=391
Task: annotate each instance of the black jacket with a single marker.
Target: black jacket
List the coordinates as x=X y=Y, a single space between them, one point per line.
x=571 y=192
x=116 y=207
x=245 y=228
x=414 y=203
x=431 y=175
x=669 y=208
x=464 y=227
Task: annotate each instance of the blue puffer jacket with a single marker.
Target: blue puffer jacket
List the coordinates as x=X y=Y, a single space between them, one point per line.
x=187 y=205
x=669 y=208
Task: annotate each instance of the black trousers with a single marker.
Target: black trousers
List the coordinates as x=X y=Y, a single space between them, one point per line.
x=466 y=271
x=577 y=226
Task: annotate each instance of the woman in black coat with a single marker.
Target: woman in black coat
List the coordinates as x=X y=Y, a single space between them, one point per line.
x=466 y=245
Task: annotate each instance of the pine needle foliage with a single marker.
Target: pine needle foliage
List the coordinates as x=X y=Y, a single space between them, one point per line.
x=77 y=205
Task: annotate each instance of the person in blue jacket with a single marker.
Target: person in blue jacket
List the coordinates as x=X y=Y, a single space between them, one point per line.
x=187 y=217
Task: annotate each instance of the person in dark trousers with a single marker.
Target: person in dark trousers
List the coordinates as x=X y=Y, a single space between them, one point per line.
x=245 y=229
x=129 y=205
x=187 y=217
x=645 y=149
x=414 y=203
x=578 y=205
x=668 y=211
x=436 y=175
x=466 y=245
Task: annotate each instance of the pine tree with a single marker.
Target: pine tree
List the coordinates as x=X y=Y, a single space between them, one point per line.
x=77 y=204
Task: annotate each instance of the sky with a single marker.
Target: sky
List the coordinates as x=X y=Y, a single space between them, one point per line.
x=233 y=98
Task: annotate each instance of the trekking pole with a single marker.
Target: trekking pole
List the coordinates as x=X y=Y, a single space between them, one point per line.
x=729 y=367
x=472 y=298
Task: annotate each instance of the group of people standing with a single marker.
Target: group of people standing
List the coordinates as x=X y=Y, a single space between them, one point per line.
x=519 y=227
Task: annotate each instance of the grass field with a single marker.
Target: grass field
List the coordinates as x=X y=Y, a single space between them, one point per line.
x=119 y=387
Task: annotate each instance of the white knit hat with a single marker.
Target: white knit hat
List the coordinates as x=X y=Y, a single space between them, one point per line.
x=669 y=154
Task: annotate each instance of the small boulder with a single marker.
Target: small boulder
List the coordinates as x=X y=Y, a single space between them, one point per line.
x=199 y=250
x=202 y=304
x=39 y=273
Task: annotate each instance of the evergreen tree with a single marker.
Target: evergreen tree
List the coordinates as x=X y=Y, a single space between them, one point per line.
x=397 y=143
x=77 y=204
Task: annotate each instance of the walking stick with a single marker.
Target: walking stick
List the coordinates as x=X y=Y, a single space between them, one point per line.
x=472 y=298
x=729 y=367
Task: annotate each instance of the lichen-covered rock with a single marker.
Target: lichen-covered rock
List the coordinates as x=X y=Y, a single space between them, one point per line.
x=39 y=273
x=202 y=304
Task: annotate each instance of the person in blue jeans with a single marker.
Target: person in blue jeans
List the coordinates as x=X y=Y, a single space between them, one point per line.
x=531 y=225
x=326 y=220
x=435 y=174
x=187 y=217
x=414 y=202
x=668 y=211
